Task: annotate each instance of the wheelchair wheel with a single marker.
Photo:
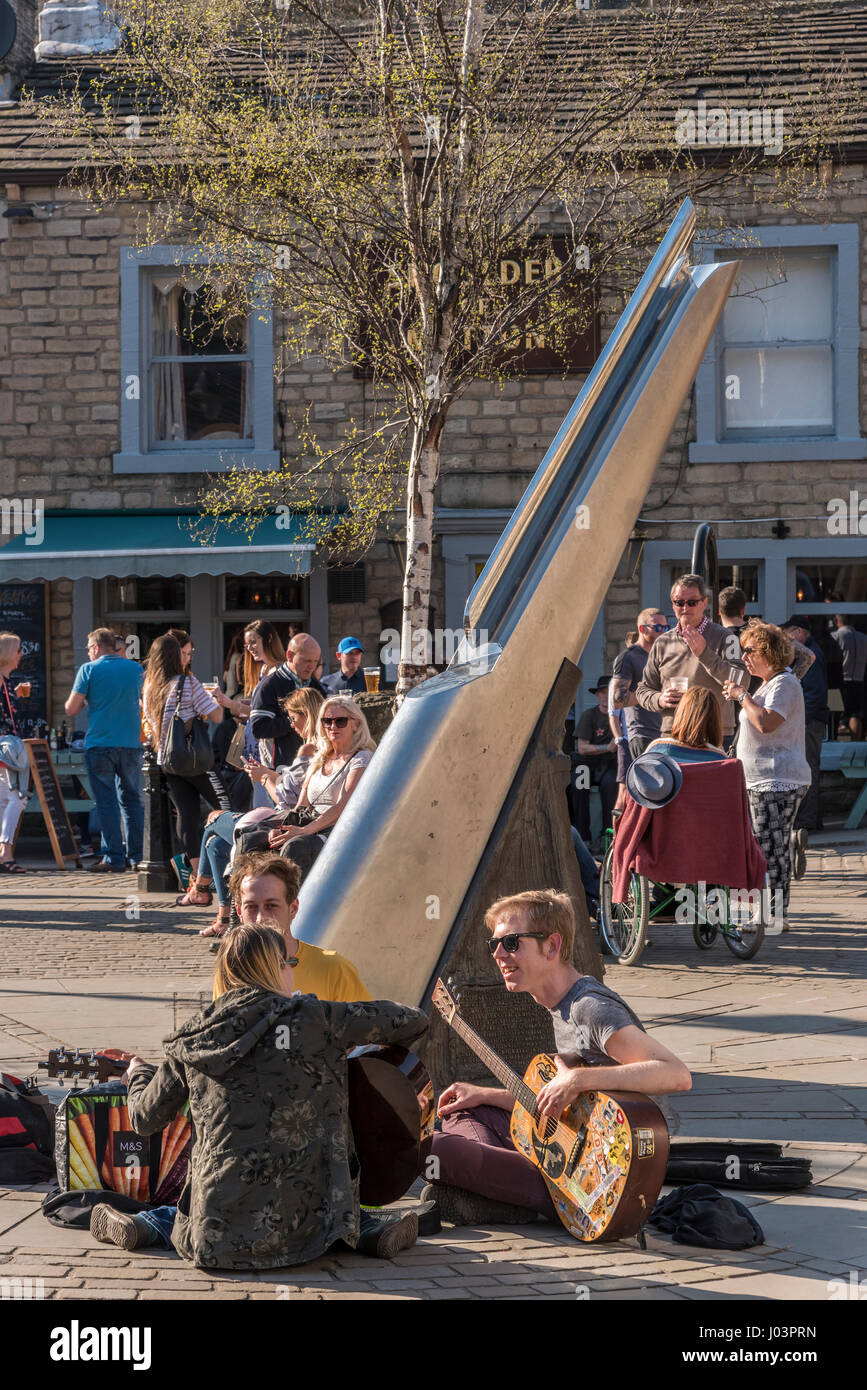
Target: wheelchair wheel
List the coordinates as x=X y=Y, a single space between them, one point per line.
x=623 y=925
x=704 y=935
x=744 y=939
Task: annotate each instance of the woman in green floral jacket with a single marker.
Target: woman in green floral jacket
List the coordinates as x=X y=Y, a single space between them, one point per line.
x=273 y=1176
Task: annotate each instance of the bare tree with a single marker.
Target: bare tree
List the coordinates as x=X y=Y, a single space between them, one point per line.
x=377 y=172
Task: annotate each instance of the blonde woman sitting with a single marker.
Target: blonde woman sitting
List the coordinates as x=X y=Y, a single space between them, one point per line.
x=344 y=748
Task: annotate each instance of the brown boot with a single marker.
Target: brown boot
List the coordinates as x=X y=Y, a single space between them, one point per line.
x=117 y=1228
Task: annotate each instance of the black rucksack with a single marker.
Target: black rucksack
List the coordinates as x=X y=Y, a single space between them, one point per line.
x=26 y=1132
x=756 y=1167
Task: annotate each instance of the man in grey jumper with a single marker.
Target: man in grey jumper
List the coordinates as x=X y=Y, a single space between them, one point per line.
x=700 y=651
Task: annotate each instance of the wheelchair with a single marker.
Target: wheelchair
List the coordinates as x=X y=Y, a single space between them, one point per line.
x=623 y=926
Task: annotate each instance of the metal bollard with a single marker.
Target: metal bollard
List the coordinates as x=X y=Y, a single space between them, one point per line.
x=155 y=871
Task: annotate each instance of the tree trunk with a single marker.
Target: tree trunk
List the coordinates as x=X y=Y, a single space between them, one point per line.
x=530 y=847
x=416 y=642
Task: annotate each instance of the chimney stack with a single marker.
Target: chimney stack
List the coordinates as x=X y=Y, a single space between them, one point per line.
x=77 y=28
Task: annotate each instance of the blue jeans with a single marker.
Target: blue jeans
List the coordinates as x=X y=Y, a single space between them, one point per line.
x=104 y=765
x=161 y=1220
x=214 y=854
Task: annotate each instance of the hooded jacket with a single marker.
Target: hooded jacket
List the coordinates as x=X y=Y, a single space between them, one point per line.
x=273 y=1176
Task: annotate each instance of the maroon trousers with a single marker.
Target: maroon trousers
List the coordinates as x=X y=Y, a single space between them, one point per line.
x=475 y=1151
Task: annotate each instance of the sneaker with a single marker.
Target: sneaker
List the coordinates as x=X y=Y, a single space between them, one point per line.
x=102 y=866
x=116 y=1228
x=463 y=1208
x=383 y=1238
x=182 y=871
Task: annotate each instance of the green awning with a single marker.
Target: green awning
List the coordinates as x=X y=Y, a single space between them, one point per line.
x=95 y=545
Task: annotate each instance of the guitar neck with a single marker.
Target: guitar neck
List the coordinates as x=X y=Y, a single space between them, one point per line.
x=514 y=1084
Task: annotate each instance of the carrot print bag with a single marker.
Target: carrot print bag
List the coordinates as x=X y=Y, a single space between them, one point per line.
x=96 y=1147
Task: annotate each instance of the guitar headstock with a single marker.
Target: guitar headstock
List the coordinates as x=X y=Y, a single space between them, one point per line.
x=86 y=1066
x=446 y=999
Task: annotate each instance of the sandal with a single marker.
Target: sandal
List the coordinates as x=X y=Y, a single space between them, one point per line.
x=194 y=897
x=9 y=866
x=217 y=928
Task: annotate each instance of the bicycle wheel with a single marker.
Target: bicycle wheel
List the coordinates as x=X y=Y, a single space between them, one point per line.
x=623 y=925
x=704 y=935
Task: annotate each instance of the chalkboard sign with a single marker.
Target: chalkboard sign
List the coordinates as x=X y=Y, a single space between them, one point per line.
x=54 y=811
x=22 y=611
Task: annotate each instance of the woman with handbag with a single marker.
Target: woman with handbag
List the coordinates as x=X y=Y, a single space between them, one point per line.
x=263 y=653
x=14 y=763
x=175 y=705
x=344 y=748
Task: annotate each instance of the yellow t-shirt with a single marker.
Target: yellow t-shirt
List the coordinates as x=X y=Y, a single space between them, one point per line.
x=327 y=974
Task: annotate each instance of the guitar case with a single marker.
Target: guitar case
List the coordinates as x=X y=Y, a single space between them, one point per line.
x=755 y=1167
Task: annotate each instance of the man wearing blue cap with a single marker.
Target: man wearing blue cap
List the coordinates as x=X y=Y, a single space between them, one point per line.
x=349 y=680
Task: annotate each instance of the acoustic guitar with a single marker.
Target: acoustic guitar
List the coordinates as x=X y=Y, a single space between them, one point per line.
x=603 y=1160
x=391 y=1109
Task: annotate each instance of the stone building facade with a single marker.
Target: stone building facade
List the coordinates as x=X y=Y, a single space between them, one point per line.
x=73 y=319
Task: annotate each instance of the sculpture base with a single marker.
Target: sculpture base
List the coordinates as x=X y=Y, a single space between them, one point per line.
x=530 y=847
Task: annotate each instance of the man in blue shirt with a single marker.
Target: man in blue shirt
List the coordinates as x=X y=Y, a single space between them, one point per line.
x=111 y=687
x=349 y=680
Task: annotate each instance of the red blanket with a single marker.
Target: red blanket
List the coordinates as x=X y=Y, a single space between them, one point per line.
x=702 y=836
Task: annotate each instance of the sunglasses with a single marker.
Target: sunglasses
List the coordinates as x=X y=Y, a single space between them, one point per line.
x=511 y=942
x=656 y=627
x=339 y=723
x=685 y=602
x=746 y=650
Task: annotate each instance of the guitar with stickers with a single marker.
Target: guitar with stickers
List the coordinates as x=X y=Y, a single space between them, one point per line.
x=603 y=1160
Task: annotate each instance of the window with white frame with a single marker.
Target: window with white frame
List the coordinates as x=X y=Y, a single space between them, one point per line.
x=780 y=379
x=777 y=360
x=194 y=395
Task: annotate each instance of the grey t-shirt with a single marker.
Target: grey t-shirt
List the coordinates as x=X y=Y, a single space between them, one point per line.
x=584 y=1020
x=640 y=723
x=853 y=645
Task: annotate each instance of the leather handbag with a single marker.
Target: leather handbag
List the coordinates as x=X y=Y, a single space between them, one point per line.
x=235 y=753
x=187 y=749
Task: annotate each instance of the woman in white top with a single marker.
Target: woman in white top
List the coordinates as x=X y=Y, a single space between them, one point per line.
x=343 y=750
x=771 y=745
x=163 y=671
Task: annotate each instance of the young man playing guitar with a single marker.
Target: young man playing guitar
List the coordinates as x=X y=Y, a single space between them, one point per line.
x=481 y=1177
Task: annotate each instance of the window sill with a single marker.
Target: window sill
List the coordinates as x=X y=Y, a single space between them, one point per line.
x=779 y=451
x=197 y=461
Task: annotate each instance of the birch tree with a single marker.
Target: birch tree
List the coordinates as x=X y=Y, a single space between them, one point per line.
x=374 y=168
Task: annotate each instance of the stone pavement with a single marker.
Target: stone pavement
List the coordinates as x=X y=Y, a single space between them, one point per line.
x=777 y=1047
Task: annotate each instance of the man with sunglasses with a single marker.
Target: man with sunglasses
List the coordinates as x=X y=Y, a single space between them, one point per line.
x=695 y=650
x=481 y=1177
x=642 y=725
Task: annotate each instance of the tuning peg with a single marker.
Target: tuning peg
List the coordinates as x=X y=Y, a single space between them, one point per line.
x=451 y=982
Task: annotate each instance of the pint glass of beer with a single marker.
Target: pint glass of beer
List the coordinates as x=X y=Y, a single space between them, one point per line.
x=22 y=690
x=371 y=678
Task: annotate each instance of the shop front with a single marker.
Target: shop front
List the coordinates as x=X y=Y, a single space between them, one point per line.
x=141 y=573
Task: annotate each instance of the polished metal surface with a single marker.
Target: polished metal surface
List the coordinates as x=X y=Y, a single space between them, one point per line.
x=391 y=879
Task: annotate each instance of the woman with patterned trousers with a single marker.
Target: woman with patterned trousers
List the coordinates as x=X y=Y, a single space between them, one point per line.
x=771 y=745
x=273 y=1175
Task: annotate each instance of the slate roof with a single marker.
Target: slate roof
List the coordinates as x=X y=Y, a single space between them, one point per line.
x=809 y=41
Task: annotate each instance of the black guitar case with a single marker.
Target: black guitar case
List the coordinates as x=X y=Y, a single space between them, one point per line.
x=757 y=1167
